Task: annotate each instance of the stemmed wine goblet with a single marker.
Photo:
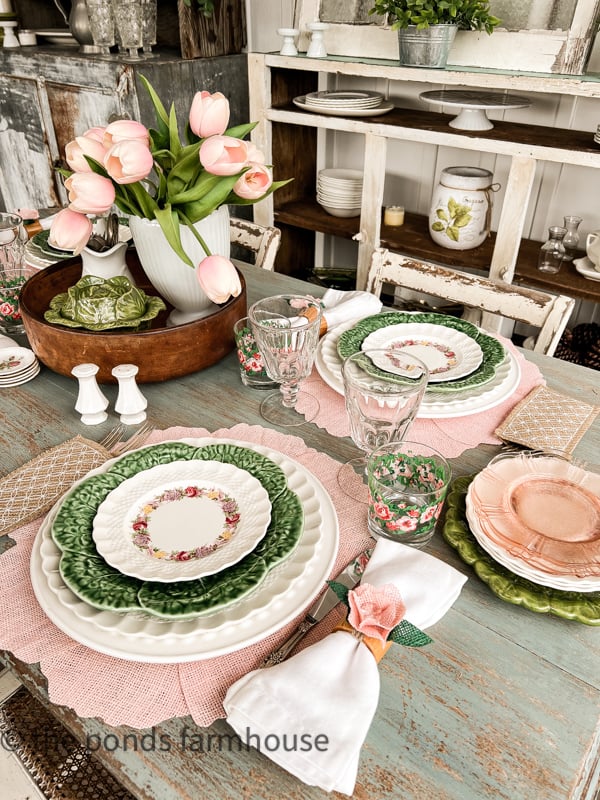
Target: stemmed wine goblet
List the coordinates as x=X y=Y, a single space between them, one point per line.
x=128 y=21
x=286 y=329
x=381 y=405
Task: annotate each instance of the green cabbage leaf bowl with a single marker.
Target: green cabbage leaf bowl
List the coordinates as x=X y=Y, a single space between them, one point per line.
x=99 y=305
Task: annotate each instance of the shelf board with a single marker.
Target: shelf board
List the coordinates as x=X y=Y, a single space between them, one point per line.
x=587 y=85
x=413 y=239
x=559 y=145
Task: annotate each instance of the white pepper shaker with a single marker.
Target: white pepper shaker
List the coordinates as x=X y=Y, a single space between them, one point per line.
x=91 y=403
x=131 y=403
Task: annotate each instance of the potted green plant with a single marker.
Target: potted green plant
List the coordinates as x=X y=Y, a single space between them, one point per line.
x=426 y=29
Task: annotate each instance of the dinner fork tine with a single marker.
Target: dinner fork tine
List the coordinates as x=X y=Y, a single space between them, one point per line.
x=112 y=437
x=135 y=439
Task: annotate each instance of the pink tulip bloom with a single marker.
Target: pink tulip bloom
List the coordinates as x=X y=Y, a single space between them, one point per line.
x=70 y=230
x=218 y=278
x=128 y=161
x=209 y=114
x=125 y=129
x=84 y=146
x=28 y=213
x=223 y=155
x=90 y=193
x=253 y=183
x=96 y=133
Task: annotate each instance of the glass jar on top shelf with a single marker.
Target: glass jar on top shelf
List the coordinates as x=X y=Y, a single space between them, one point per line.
x=552 y=252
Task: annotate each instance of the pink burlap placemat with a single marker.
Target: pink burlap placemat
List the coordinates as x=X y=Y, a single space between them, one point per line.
x=451 y=436
x=137 y=694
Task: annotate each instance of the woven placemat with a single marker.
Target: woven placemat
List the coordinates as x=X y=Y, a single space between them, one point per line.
x=31 y=490
x=548 y=420
x=60 y=767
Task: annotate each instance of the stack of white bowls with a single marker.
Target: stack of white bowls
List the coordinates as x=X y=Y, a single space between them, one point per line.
x=339 y=191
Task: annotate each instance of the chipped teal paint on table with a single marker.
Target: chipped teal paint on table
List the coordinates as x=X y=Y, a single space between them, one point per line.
x=505 y=704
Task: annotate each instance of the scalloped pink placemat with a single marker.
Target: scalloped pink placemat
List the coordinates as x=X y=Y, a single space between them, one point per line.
x=138 y=694
x=451 y=437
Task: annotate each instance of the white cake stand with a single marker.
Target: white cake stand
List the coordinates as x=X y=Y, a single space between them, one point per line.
x=473 y=105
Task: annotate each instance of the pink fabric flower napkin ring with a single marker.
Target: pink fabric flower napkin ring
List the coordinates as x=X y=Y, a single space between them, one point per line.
x=376 y=618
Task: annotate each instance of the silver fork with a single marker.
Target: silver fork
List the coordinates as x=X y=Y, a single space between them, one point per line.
x=137 y=438
x=112 y=437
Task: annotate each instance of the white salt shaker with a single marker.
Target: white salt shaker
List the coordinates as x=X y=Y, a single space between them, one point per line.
x=131 y=403
x=91 y=403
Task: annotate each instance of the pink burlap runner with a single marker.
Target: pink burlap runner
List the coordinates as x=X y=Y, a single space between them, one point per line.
x=137 y=694
x=452 y=436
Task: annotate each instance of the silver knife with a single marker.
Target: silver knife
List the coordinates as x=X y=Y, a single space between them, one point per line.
x=349 y=577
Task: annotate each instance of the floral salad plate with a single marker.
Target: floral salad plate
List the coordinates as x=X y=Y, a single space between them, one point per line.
x=300 y=546
x=181 y=521
x=351 y=341
x=447 y=353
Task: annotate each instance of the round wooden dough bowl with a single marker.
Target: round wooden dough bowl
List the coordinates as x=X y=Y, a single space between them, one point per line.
x=160 y=352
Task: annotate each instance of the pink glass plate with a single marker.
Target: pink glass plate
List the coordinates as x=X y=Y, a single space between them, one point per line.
x=542 y=510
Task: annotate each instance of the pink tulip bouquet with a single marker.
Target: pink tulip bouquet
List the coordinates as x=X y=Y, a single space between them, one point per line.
x=153 y=174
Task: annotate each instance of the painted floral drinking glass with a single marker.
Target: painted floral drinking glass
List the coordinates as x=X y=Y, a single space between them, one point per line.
x=381 y=406
x=252 y=365
x=286 y=328
x=408 y=483
x=13 y=272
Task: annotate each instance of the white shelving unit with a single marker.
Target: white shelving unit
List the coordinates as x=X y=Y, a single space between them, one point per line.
x=283 y=133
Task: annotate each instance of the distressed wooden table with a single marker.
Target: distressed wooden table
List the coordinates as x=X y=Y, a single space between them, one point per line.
x=504 y=704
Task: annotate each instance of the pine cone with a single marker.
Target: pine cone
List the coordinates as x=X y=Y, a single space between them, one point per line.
x=584 y=336
x=566 y=353
x=592 y=357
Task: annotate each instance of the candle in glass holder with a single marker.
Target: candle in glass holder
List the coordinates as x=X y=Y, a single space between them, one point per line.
x=394 y=215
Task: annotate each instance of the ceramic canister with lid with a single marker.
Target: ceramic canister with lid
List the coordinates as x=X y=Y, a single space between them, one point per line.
x=461 y=207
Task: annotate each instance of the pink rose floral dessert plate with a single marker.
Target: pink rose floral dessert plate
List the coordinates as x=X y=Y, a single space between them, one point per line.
x=181 y=521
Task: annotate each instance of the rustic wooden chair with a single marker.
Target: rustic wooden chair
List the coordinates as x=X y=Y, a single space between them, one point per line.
x=263 y=242
x=549 y=313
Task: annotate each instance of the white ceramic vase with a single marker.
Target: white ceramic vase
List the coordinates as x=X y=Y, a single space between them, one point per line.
x=108 y=264
x=174 y=279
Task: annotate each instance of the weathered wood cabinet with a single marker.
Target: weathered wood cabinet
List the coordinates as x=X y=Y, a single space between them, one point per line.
x=49 y=95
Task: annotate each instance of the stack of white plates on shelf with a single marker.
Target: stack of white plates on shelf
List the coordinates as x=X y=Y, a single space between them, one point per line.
x=343 y=98
x=17 y=365
x=339 y=191
x=345 y=103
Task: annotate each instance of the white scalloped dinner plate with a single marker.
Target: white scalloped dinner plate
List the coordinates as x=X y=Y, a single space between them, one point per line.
x=183 y=523
x=286 y=590
x=468 y=401
x=447 y=353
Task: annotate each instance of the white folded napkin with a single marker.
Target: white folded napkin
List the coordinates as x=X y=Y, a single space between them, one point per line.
x=342 y=306
x=311 y=714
